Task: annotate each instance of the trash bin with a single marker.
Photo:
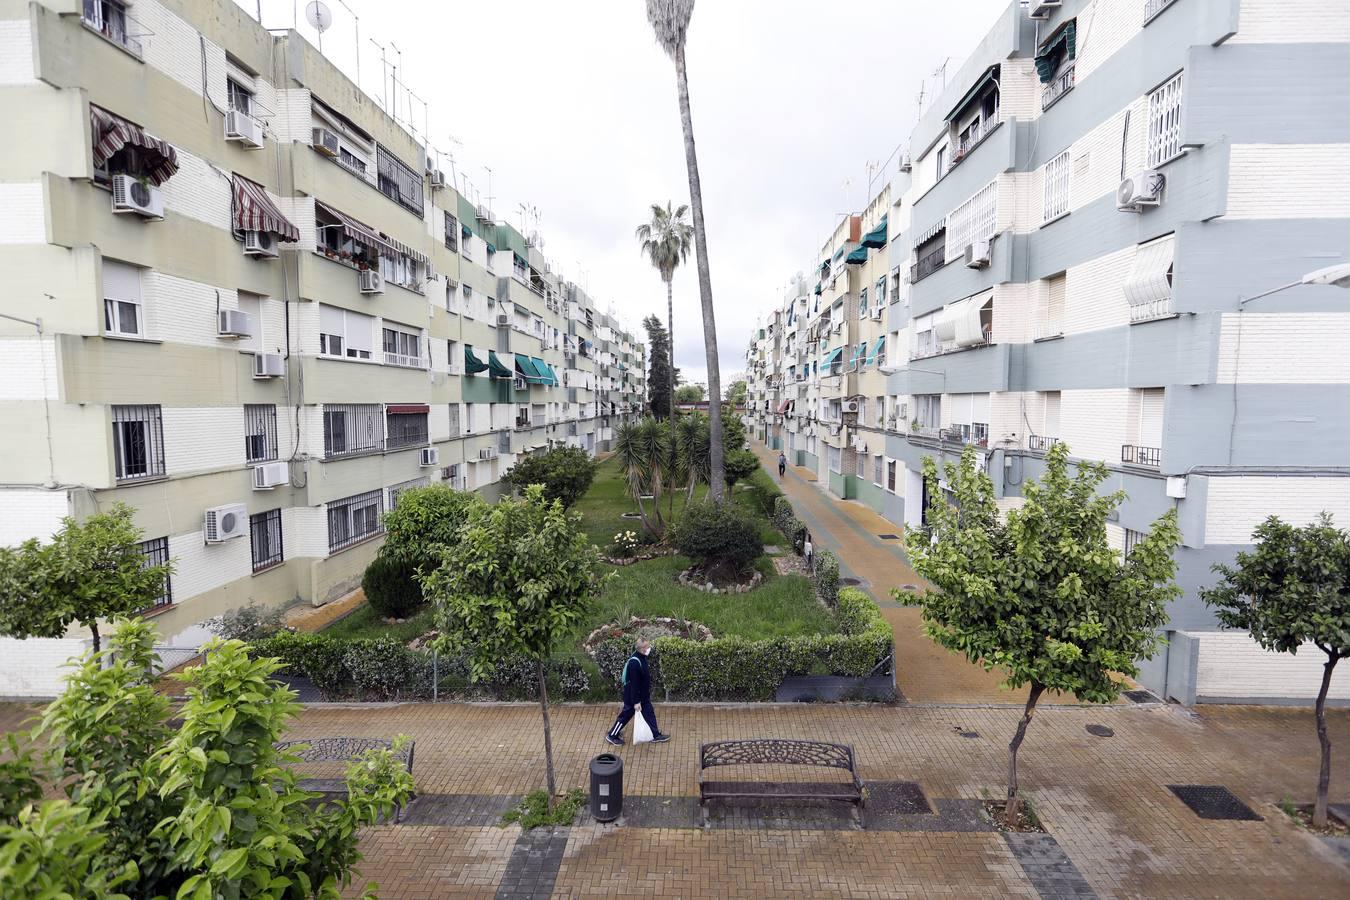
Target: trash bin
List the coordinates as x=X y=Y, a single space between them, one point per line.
x=606 y=787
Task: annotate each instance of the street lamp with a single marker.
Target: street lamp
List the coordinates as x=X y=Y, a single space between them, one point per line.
x=1335 y=276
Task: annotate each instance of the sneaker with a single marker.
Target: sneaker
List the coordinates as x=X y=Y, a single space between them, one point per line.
x=610 y=739
x=661 y=738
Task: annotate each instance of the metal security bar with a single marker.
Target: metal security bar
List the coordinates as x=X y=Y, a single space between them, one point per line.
x=1164 y=122
x=1057 y=175
x=156 y=552
x=406 y=430
x=973 y=220
x=264 y=531
x=353 y=519
x=1058 y=86
x=1041 y=442
x=138 y=442
x=350 y=428
x=260 y=432
x=1141 y=456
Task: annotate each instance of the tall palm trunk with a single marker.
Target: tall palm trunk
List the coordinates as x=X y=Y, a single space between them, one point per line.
x=670 y=355
x=717 y=480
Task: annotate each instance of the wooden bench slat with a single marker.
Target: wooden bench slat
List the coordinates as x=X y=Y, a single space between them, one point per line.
x=796 y=790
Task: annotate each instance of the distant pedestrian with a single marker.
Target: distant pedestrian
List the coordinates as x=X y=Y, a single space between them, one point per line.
x=637 y=693
x=809 y=553
x=782 y=464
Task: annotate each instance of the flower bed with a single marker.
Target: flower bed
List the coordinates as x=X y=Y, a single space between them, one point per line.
x=611 y=645
x=693 y=577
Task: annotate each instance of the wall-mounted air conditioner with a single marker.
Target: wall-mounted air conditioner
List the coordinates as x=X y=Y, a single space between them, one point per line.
x=369 y=281
x=487 y=453
x=503 y=321
x=234 y=323
x=429 y=458
x=876 y=314
x=1143 y=188
x=325 y=141
x=131 y=195
x=270 y=475
x=850 y=406
x=260 y=243
x=225 y=522
x=268 y=365
x=483 y=213
x=977 y=254
x=437 y=179
x=243 y=128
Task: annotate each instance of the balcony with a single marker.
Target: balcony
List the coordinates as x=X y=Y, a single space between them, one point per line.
x=1044 y=331
x=1134 y=455
x=1150 y=310
x=1058 y=86
x=929 y=263
x=110 y=19
x=976 y=433
x=1041 y=442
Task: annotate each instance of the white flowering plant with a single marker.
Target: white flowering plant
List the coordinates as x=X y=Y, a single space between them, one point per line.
x=626 y=542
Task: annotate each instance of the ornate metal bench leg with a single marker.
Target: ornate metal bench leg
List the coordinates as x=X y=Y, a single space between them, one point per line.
x=703 y=813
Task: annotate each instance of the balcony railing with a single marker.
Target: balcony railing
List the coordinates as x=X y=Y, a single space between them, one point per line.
x=929 y=263
x=1044 y=330
x=1153 y=309
x=1041 y=442
x=111 y=20
x=1060 y=85
x=402 y=359
x=1153 y=7
x=1141 y=456
x=977 y=434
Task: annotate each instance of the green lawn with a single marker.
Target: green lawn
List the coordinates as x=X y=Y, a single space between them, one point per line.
x=365 y=622
x=605 y=503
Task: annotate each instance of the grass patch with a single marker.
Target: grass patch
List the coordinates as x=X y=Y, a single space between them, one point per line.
x=533 y=810
x=365 y=622
x=605 y=503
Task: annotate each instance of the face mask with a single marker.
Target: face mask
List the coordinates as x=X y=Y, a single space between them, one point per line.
x=646 y=652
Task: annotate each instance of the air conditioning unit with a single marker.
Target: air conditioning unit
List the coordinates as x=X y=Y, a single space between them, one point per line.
x=483 y=213
x=977 y=254
x=234 y=323
x=503 y=321
x=487 y=453
x=430 y=458
x=1143 y=188
x=131 y=195
x=520 y=384
x=260 y=243
x=369 y=281
x=270 y=475
x=225 y=522
x=437 y=179
x=268 y=365
x=850 y=406
x=245 y=129
x=1041 y=9
x=876 y=314
x=324 y=141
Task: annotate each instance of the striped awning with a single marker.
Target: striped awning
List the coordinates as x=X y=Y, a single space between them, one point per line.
x=403 y=248
x=111 y=133
x=358 y=231
x=407 y=409
x=1150 y=279
x=527 y=368
x=930 y=232
x=255 y=211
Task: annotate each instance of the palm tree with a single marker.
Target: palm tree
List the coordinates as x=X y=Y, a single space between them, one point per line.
x=643 y=449
x=670 y=22
x=666 y=241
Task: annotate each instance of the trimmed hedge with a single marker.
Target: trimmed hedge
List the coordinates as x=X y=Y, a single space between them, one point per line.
x=391 y=587
x=733 y=668
x=786 y=521
x=717 y=537
x=827 y=578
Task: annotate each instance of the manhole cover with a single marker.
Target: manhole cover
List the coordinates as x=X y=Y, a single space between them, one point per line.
x=851 y=582
x=889 y=537
x=1100 y=731
x=969 y=734
x=1214 y=801
x=1141 y=697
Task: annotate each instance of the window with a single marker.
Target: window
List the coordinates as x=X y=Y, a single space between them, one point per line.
x=878 y=465
x=351 y=160
x=1148 y=290
x=240 y=97
x=403 y=347
x=138 y=442
x=890 y=476
x=353 y=519
x=352 y=428
x=1057 y=180
x=109 y=18
x=973 y=220
x=928 y=411
x=122 y=300
x=940 y=162
x=862 y=302
x=398 y=182
x=344 y=333
x=1050 y=316
x=860 y=464
x=406 y=426
x=454 y=420
x=156 y=553
x=264 y=532
x=1164 y=122
x=836 y=459
x=451 y=233
x=1132 y=538
x=930 y=255
x=396 y=489
x=260 y=432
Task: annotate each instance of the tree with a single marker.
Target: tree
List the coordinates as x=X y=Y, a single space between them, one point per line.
x=424 y=519
x=689 y=393
x=670 y=23
x=522 y=573
x=644 y=450
x=1293 y=589
x=1042 y=596
x=565 y=472
x=660 y=376
x=741 y=464
x=206 y=807
x=665 y=241
x=91 y=570
x=736 y=394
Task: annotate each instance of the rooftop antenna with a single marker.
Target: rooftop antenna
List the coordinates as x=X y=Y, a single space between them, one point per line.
x=384 y=80
x=941 y=71
x=490 y=196
x=396 y=81
x=357 y=20
x=320 y=16
x=454 y=175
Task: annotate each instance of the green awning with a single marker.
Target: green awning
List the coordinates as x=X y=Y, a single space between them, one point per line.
x=496 y=369
x=876 y=349
x=553 y=375
x=520 y=259
x=876 y=238
x=623 y=368
x=1047 y=58
x=838 y=253
x=526 y=367
x=990 y=74
x=544 y=372
x=491 y=249
x=465 y=231
x=818 y=288
x=858 y=352
x=831 y=357
x=472 y=364
x=857 y=257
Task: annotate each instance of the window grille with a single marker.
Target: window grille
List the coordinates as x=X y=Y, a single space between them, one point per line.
x=451 y=233
x=156 y=552
x=352 y=428
x=396 y=489
x=890 y=476
x=353 y=519
x=1057 y=182
x=398 y=182
x=973 y=220
x=860 y=465
x=1164 y=122
x=260 y=432
x=264 y=531
x=138 y=442
x=878 y=464
x=454 y=420
x=406 y=430
x=1132 y=538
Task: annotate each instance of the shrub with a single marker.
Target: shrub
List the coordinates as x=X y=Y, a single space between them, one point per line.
x=313 y=656
x=381 y=668
x=565 y=472
x=827 y=578
x=764 y=494
x=247 y=623
x=722 y=540
x=391 y=587
x=425 y=519
x=786 y=521
x=739 y=464
x=533 y=811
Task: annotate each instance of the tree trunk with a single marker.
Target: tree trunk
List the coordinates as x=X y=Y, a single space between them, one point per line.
x=93 y=629
x=1011 y=809
x=717 y=477
x=670 y=344
x=1324 y=774
x=548 y=735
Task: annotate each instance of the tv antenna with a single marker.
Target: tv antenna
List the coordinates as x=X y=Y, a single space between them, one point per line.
x=320 y=17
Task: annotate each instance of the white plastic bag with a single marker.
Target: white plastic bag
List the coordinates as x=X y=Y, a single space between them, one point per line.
x=642 y=731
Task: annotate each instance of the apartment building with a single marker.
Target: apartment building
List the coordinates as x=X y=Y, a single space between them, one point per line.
x=249 y=304
x=1072 y=236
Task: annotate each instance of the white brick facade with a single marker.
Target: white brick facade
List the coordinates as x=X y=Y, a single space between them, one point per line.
x=203 y=439
x=1093 y=423
x=1237 y=505
x=1292 y=22
x=200 y=567
x=28 y=368
x=184 y=311
x=1283 y=348
x=177 y=49
x=1289 y=181
x=1231 y=665
x=22 y=216
x=16 y=52
x=31 y=513
x=1103 y=28
x=199 y=190
x=1095 y=296
x=36 y=667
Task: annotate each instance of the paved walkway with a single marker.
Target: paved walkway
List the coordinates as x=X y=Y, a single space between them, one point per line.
x=925 y=673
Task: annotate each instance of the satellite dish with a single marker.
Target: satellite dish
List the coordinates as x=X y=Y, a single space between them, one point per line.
x=319 y=15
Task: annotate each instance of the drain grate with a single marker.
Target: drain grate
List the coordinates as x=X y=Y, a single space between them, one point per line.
x=1214 y=801
x=1100 y=731
x=889 y=537
x=1141 y=697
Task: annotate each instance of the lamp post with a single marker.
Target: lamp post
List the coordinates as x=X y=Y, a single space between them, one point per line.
x=1335 y=276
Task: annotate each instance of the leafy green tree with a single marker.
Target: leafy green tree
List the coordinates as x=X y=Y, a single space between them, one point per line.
x=736 y=394
x=740 y=464
x=666 y=241
x=521 y=574
x=57 y=850
x=565 y=472
x=90 y=570
x=425 y=518
x=1042 y=595
x=689 y=393
x=1293 y=589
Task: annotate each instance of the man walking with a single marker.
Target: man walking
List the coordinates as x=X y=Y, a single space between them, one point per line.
x=637 y=693
x=782 y=464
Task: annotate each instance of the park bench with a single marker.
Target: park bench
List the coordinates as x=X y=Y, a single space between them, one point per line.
x=343 y=749
x=779 y=752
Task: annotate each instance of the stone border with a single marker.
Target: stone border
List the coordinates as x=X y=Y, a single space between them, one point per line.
x=641 y=557
x=688 y=579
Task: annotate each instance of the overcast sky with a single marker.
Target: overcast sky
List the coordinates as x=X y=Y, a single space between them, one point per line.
x=572 y=104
